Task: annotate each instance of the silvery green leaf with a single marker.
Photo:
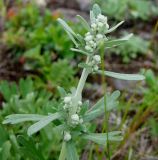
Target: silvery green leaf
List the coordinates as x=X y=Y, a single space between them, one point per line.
x=84 y=22
x=109 y=99
x=92 y=17
x=18 y=118
x=62 y=91
x=101 y=138
x=71 y=153
x=113 y=43
x=66 y=27
x=72 y=38
x=42 y=123
x=115 y=27
x=69 y=31
x=127 y=77
x=80 y=51
x=96 y=10
x=98 y=109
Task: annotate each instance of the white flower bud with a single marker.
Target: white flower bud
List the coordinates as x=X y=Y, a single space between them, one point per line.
x=87 y=34
x=65 y=106
x=75 y=117
x=67 y=100
x=107 y=26
x=94 y=25
x=91 y=43
x=97 y=58
x=67 y=136
x=79 y=103
x=100 y=17
x=94 y=45
x=99 y=36
x=88 y=48
x=100 y=24
x=96 y=68
x=88 y=38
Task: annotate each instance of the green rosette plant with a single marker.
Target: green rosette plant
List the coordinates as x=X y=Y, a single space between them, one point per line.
x=73 y=114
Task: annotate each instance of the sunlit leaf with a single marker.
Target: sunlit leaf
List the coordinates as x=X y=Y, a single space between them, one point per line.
x=83 y=22
x=101 y=138
x=18 y=118
x=122 y=76
x=71 y=151
x=42 y=123
x=115 y=27
x=113 y=43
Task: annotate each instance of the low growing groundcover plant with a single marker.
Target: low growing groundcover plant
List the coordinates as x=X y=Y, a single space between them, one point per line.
x=73 y=114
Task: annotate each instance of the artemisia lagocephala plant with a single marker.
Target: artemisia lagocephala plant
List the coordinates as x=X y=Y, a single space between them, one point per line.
x=74 y=114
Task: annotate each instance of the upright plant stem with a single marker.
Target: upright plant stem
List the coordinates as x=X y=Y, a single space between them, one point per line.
x=63 y=152
x=80 y=86
x=82 y=80
x=105 y=106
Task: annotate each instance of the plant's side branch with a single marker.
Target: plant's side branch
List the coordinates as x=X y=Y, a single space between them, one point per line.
x=80 y=86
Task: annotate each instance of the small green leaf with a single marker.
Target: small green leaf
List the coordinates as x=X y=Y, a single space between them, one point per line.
x=42 y=123
x=5 y=152
x=101 y=138
x=71 y=151
x=28 y=148
x=98 y=109
x=113 y=43
x=62 y=91
x=84 y=22
x=96 y=10
x=115 y=27
x=18 y=118
x=80 y=51
x=127 y=77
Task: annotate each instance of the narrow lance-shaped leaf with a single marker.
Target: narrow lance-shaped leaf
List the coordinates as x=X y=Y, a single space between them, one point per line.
x=69 y=31
x=117 y=42
x=80 y=51
x=83 y=22
x=66 y=27
x=122 y=76
x=115 y=27
x=98 y=109
x=71 y=151
x=42 y=123
x=62 y=91
x=101 y=138
x=18 y=118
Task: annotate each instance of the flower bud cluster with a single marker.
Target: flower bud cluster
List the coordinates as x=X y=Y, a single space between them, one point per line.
x=67 y=102
x=96 y=35
x=96 y=60
x=75 y=119
x=100 y=24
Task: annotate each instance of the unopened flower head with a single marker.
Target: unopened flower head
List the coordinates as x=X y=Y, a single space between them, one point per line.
x=75 y=119
x=97 y=59
x=67 y=99
x=67 y=136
